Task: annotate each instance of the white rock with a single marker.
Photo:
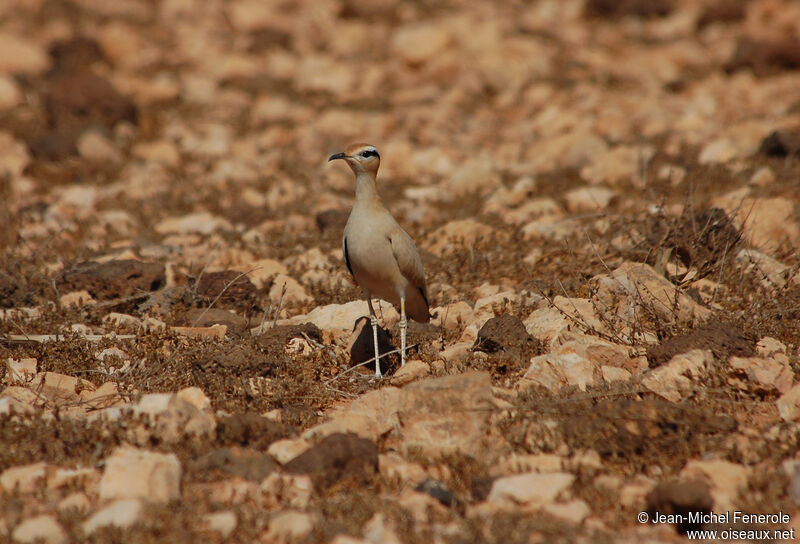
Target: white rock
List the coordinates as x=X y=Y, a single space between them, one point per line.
x=613 y=374
x=42 y=528
x=392 y=466
x=196 y=397
x=622 y=163
x=533 y=462
x=413 y=370
x=574 y=511
x=770 y=373
x=95 y=146
x=555 y=371
x=131 y=473
x=121 y=514
x=635 y=289
x=292 y=490
x=675 y=379
x=122 y=320
x=171 y=416
x=20 y=370
x=474 y=176
x=419 y=42
x=768 y=347
x=262 y=271
x=320 y=73
x=762 y=177
x=21 y=56
x=75 y=502
x=289 y=526
x=10 y=93
x=457 y=353
x=770 y=272
x=452 y=316
x=200 y=222
x=25 y=478
x=720 y=150
x=75 y=298
x=288 y=290
x=378 y=530
x=223 y=522
x=344 y=316
x=767 y=222
x=789 y=404
x=465 y=233
x=727 y=479
x=286 y=449
x=588 y=199
x=160 y=151
x=532 y=488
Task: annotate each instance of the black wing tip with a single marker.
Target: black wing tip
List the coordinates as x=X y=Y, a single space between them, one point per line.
x=347 y=259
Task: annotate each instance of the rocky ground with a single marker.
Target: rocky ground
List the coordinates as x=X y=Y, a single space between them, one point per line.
x=605 y=197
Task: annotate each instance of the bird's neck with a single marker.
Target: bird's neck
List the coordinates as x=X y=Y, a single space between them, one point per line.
x=366 y=188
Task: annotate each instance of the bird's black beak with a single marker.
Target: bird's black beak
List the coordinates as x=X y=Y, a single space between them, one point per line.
x=337 y=156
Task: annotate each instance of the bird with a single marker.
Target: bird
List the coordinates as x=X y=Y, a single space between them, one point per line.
x=379 y=254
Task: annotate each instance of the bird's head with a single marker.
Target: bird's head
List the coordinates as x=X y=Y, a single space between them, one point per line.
x=360 y=158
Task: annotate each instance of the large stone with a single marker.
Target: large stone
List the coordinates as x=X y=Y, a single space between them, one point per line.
x=292 y=490
x=555 y=371
x=619 y=165
x=771 y=272
x=425 y=416
x=223 y=522
x=727 y=479
x=767 y=222
x=431 y=414
x=458 y=233
x=771 y=374
x=417 y=43
x=175 y=415
x=531 y=489
x=565 y=315
x=42 y=529
x=23 y=478
x=589 y=199
x=120 y=514
x=20 y=370
x=475 y=176
x=675 y=380
x=21 y=55
x=200 y=223
x=789 y=404
x=131 y=473
x=287 y=290
x=412 y=371
x=634 y=290
x=582 y=361
x=10 y=93
x=289 y=526
x=343 y=316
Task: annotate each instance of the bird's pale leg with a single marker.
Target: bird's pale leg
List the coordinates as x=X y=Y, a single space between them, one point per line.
x=403 y=327
x=373 y=319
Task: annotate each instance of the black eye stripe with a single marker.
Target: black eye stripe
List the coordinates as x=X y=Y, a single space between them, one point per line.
x=370 y=153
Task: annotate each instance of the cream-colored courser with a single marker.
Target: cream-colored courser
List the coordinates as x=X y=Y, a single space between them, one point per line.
x=380 y=255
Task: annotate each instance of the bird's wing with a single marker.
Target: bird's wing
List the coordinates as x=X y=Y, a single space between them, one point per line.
x=408 y=259
x=346 y=256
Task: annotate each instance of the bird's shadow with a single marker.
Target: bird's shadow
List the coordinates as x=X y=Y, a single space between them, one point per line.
x=362 y=347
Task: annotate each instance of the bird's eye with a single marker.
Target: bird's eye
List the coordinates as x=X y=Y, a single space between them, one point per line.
x=369 y=153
